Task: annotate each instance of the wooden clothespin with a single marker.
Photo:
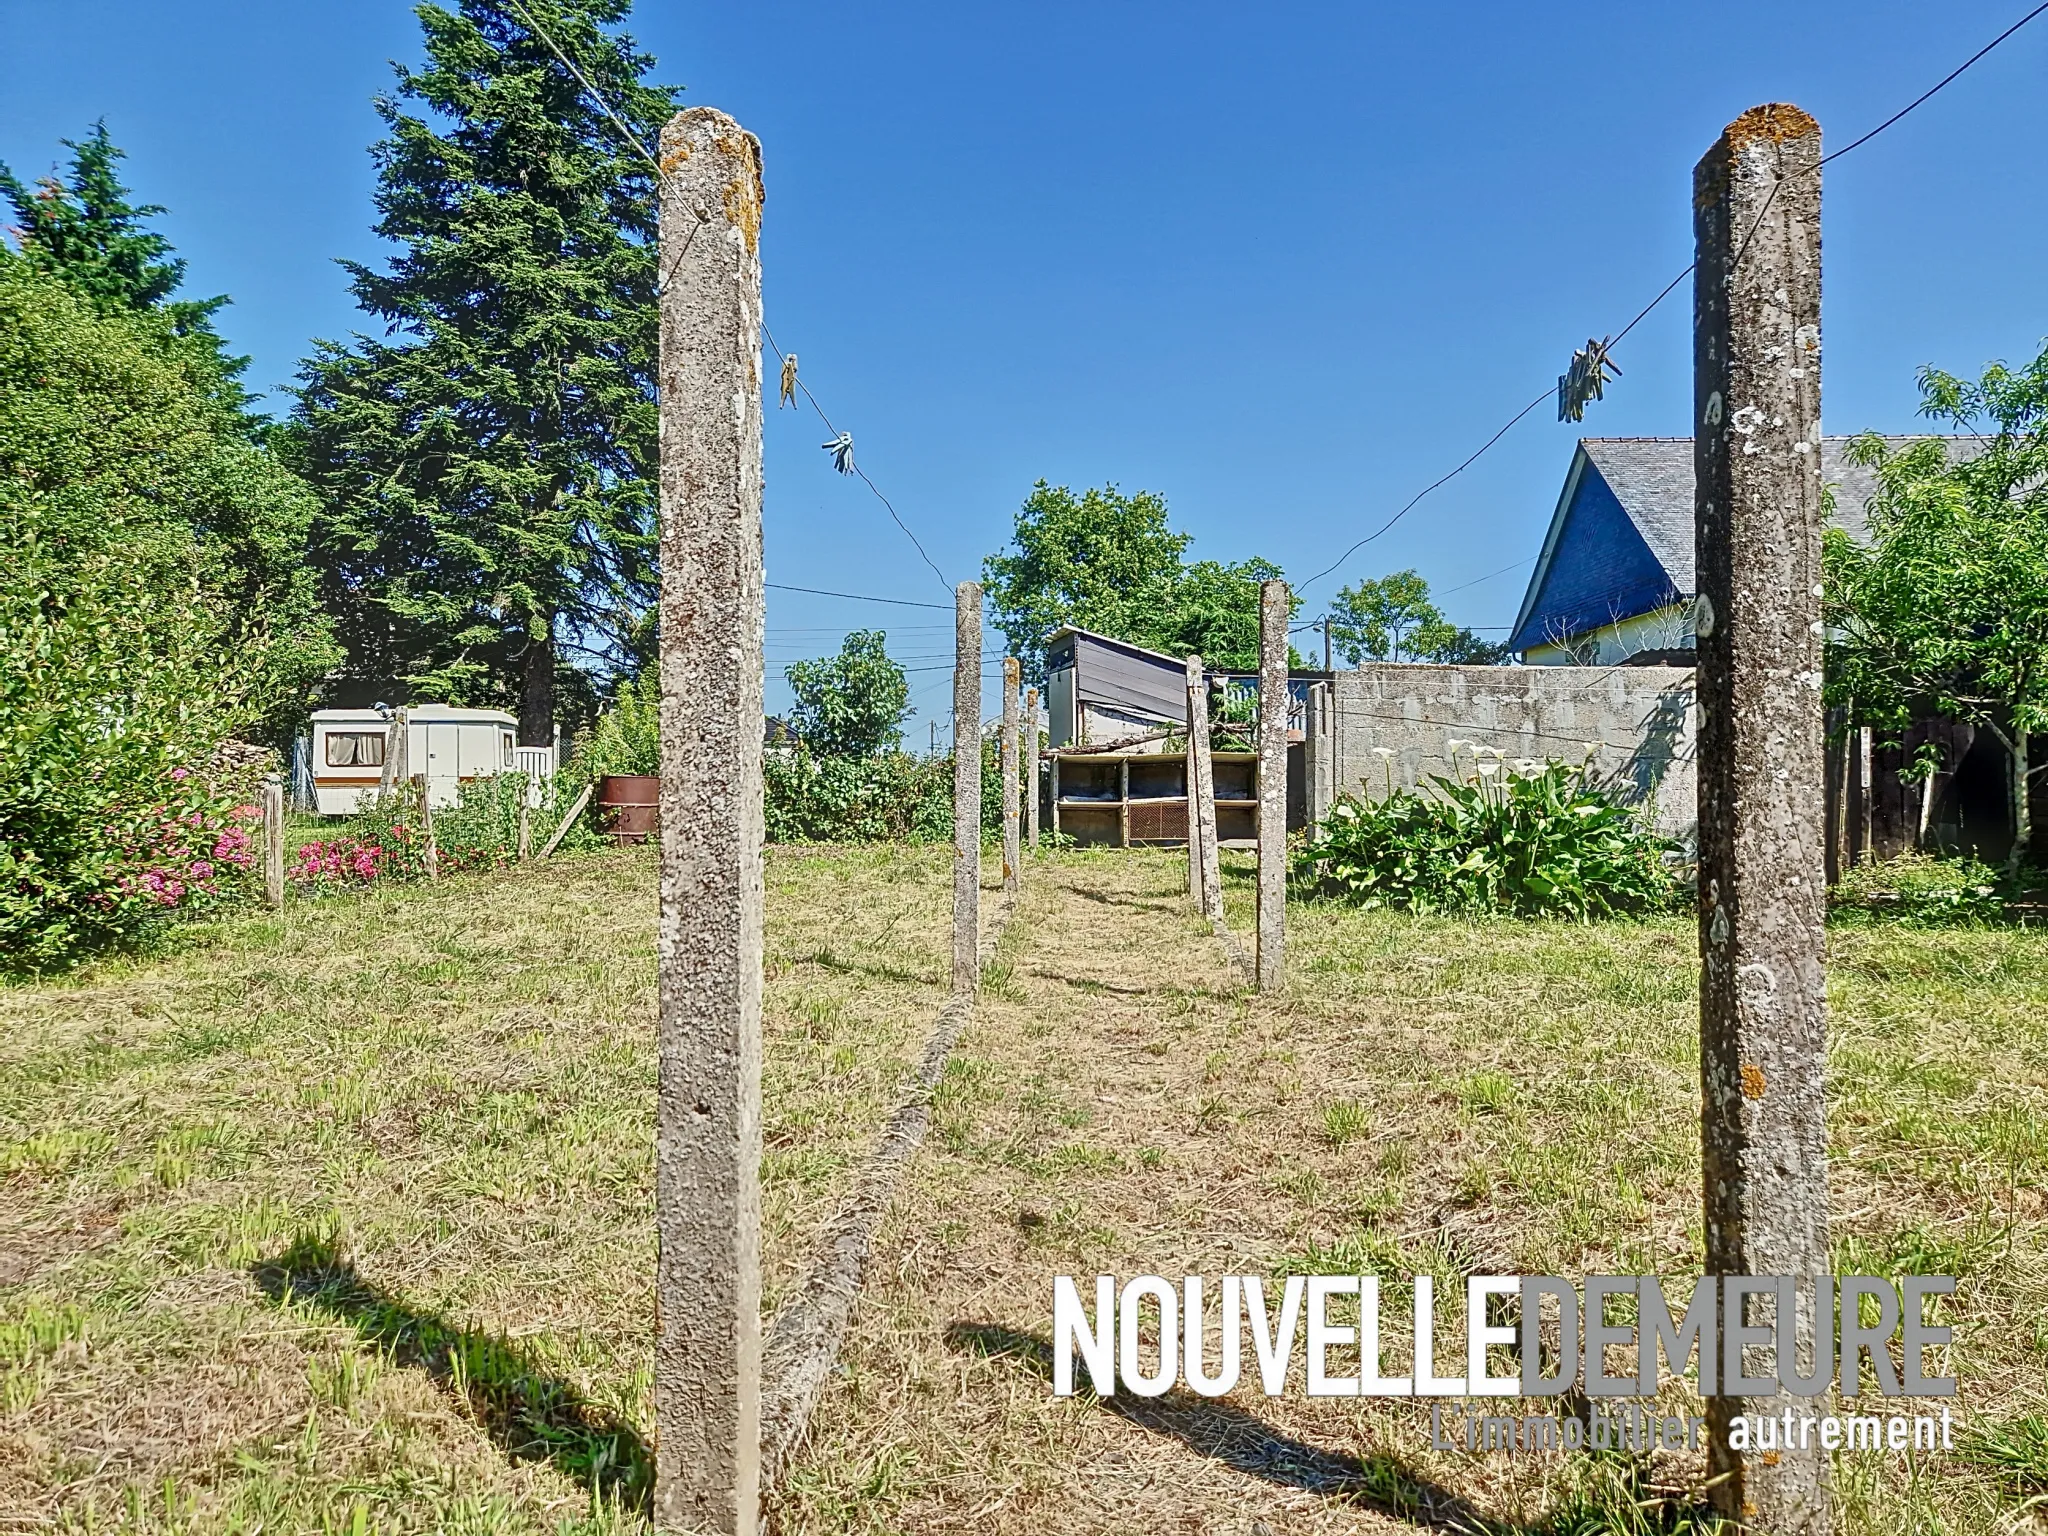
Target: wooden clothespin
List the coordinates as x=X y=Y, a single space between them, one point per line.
x=788 y=381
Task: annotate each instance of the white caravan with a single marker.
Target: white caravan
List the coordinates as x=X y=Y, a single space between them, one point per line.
x=448 y=746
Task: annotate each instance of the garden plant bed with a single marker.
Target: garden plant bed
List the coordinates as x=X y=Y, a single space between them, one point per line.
x=312 y=1217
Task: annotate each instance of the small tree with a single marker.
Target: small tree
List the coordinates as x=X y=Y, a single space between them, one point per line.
x=853 y=704
x=1392 y=619
x=1109 y=562
x=1946 y=609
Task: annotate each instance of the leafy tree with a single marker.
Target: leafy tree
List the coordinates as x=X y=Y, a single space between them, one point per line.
x=1392 y=619
x=152 y=605
x=83 y=231
x=486 y=462
x=853 y=704
x=1945 y=611
x=1109 y=562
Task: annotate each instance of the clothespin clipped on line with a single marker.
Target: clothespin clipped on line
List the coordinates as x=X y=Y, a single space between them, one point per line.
x=841 y=449
x=1585 y=380
x=788 y=381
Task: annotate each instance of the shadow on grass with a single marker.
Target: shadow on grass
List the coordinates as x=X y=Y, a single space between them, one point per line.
x=532 y=1414
x=1614 y=1505
x=1104 y=898
x=827 y=959
x=1247 y=1444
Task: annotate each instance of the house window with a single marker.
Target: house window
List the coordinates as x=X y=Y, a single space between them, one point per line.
x=506 y=737
x=355 y=749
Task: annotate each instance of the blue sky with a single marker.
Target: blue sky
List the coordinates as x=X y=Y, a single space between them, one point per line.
x=1284 y=264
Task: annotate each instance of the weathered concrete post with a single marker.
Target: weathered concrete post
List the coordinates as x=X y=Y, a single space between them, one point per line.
x=1012 y=851
x=1756 y=456
x=1273 y=611
x=273 y=841
x=393 y=771
x=707 y=1193
x=1029 y=767
x=966 y=786
x=525 y=843
x=1208 y=893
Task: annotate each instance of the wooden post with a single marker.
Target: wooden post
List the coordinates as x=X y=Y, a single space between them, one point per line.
x=1052 y=791
x=432 y=853
x=1028 y=767
x=525 y=844
x=1013 y=856
x=707 y=1188
x=1273 y=608
x=1756 y=455
x=1202 y=794
x=273 y=841
x=966 y=786
x=547 y=849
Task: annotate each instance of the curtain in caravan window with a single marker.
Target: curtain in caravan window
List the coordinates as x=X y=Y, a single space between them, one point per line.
x=355 y=749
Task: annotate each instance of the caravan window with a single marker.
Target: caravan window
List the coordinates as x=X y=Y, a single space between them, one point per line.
x=506 y=737
x=355 y=749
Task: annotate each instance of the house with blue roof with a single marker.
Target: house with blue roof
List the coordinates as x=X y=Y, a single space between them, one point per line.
x=1614 y=583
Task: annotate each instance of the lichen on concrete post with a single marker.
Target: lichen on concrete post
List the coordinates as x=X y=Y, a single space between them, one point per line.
x=966 y=786
x=1202 y=793
x=1273 y=612
x=1027 y=767
x=1012 y=845
x=707 y=1366
x=1762 y=870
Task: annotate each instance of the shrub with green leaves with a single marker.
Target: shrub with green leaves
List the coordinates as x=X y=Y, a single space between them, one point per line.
x=1921 y=890
x=1541 y=842
x=895 y=797
x=627 y=736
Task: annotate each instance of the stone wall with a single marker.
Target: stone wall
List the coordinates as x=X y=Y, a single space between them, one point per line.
x=1643 y=720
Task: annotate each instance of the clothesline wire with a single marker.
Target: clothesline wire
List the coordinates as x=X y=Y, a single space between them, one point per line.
x=1665 y=292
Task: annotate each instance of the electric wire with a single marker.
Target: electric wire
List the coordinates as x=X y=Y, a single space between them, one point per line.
x=1665 y=292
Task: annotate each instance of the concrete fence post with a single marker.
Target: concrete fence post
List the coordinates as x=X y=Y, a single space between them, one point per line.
x=1202 y=796
x=966 y=786
x=1273 y=612
x=1012 y=852
x=273 y=841
x=1028 y=767
x=1756 y=452
x=707 y=1191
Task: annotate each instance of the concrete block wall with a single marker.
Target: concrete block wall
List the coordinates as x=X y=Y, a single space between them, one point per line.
x=1645 y=720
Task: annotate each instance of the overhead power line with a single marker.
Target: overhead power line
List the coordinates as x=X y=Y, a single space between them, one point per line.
x=857 y=597
x=1666 y=291
x=661 y=177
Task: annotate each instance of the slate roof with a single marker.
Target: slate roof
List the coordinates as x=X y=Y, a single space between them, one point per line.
x=1652 y=480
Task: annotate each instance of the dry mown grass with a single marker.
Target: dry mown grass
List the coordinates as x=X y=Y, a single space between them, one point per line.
x=1432 y=1097
x=349 y=1208
x=339 y=1221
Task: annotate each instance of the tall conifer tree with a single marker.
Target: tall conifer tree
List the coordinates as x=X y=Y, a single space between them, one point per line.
x=82 y=230
x=487 y=462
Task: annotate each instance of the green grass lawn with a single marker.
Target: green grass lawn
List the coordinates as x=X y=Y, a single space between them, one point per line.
x=338 y=1220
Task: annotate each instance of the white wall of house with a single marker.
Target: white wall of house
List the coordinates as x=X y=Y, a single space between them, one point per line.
x=1662 y=629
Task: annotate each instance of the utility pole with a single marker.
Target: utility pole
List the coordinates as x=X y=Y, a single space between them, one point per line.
x=707 y=1148
x=1762 y=869
x=1326 y=643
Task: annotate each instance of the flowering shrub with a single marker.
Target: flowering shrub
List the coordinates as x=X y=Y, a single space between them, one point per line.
x=1536 y=840
x=191 y=859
